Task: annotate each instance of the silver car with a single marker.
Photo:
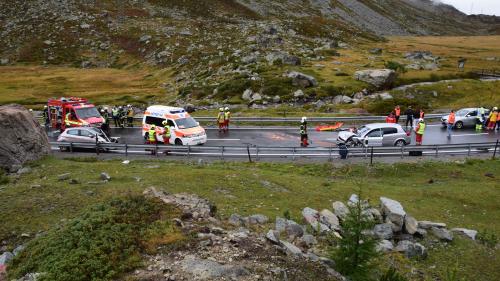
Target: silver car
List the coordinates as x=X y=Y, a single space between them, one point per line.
x=376 y=134
x=465 y=117
x=84 y=135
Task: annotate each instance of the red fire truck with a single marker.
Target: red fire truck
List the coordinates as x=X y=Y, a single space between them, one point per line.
x=72 y=112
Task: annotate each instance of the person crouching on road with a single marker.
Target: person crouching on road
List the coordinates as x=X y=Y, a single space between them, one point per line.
x=492 y=119
x=166 y=132
x=220 y=119
x=479 y=123
x=227 y=117
x=450 y=123
x=391 y=118
x=419 y=131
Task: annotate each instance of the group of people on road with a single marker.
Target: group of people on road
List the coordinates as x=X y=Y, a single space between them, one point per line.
x=414 y=120
x=223 y=118
x=492 y=122
x=122 y=116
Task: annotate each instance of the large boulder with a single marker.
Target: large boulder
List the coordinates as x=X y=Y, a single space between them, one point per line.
x=411 y=225
x=378 y=77
x=383 y=231
x=411 y=249
x=393 y=212
x=23 y=138
x=330 y=219
x=311 y=216
x=302 y=80
x=340 y=209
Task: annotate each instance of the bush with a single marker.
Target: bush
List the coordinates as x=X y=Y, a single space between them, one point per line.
x=101 y=243
x=396 y=66
x=355 y=255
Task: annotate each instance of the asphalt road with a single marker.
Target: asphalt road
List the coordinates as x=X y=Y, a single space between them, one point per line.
x=289 y=136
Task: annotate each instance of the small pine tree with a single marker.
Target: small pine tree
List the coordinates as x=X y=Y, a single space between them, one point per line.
x=356 y=251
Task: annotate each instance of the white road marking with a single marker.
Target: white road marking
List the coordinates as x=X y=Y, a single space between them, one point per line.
x=223 y=139
x=465 y=135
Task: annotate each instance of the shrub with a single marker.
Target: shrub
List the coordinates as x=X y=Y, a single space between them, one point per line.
x=356 y=251
x=396 y=66
x=101 y=243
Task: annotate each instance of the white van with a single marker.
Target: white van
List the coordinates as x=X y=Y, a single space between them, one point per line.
x=184 y=129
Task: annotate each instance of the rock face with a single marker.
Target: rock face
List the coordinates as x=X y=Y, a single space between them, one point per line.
x=23 y=138
x=376 y=77
x=393 y=212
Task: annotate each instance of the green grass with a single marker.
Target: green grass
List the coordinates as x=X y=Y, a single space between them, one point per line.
x=460 y=196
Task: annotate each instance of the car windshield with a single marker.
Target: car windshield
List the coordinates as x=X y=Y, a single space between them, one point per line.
x=362 y=130
x=462 y=112
x=87 y=112
x=186 y=123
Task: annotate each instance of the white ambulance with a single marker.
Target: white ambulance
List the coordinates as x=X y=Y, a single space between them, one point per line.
x=184 y=129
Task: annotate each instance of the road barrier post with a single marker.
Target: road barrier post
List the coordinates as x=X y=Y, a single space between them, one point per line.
x=96 y=145
x=248 y=152
x=293 y=154
x=222 y=154
x=437 y=151
x=71 y=147
x=257 y=153
x=189 y=151
x=126 y=150
x=371 y=157
x=495 y=151
x=402 y=151
x=330 y=154
x=468 y=152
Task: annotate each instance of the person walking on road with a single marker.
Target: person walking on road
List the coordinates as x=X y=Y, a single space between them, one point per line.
x=115 y=114
x=419 y=131
x=220 y=119
x=450 y=123
x=409 y=117
x=227 y=117
x=397 y=111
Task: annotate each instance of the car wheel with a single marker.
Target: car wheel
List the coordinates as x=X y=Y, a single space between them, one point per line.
x=459 y=125
x=63 y=148
x=400 y=143
x=178 y=142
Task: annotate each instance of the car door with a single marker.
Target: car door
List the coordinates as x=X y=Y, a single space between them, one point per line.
x=470 y=118
x=389 y=136
x=72 y=135
x=374 y=138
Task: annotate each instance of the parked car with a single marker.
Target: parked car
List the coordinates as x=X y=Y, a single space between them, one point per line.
x=465 y=117
x=84 y=135
x=376 y=134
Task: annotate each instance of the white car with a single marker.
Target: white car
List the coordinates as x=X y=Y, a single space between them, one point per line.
x=84 y=135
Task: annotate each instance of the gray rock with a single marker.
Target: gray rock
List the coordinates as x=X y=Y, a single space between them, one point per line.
x=183 y=60
x=6 y=257
x=31 y=277
x=411 y=249
x=105 y=177
x=276 y=99
x=24 y=170
x=383 y=231
x=145 y=38
x=236 y=220
x=330 y=219
x=291 y=249
x=291 y=60
x=294 y=231
x=442 y=233
x=308 y=240
x=281 y=224
x=340 y=209
x=86 y=64
x=311 y=216
x=64 y=176
x=467 y=232
x=203 y=269
x=188 y=203
x=252 y=58
x=256 y=97
x=375 y=51
x=393 y=211
x=430 y=66
x=18 y=250
x=4 y=61
x=298 y=94
x=302 y=80
x=384 y=246
x=84 y=26
x=376 y=77
x=247 y=95
x=185 y=32
x=430 y=224
x=257 y=219
x=411 y=225
x=413 y=66
x=23 y=138
x=422 y=232
x=373 y=214
x=273 y=236
x=341 y=99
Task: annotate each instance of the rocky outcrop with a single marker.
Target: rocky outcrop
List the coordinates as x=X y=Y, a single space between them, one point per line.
x=23 y=138
x=302 y=80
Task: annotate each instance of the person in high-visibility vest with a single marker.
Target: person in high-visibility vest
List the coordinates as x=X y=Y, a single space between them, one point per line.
x=450 y=123
x=227 y=117
x=397 y=111
x=46 y=115
x=479 y=123
x=152 y=135
x=166 y=133
x=70 y=120
x=220 y=119
x=419 y=131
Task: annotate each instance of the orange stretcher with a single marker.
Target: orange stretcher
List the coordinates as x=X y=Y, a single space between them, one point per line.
x=329 y=128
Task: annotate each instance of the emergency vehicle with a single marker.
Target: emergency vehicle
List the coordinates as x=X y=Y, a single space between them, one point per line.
x=184 y=130
x=82 y=113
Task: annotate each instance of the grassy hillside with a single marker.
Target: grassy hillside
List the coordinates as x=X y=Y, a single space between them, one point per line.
x=460 y=195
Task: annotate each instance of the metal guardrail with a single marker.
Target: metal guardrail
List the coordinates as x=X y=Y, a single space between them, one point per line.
x=255 y=153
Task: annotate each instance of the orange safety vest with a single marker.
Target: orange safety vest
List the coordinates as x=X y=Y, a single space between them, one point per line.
x=493 y=117
x=398 y=111
x=451 y=118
